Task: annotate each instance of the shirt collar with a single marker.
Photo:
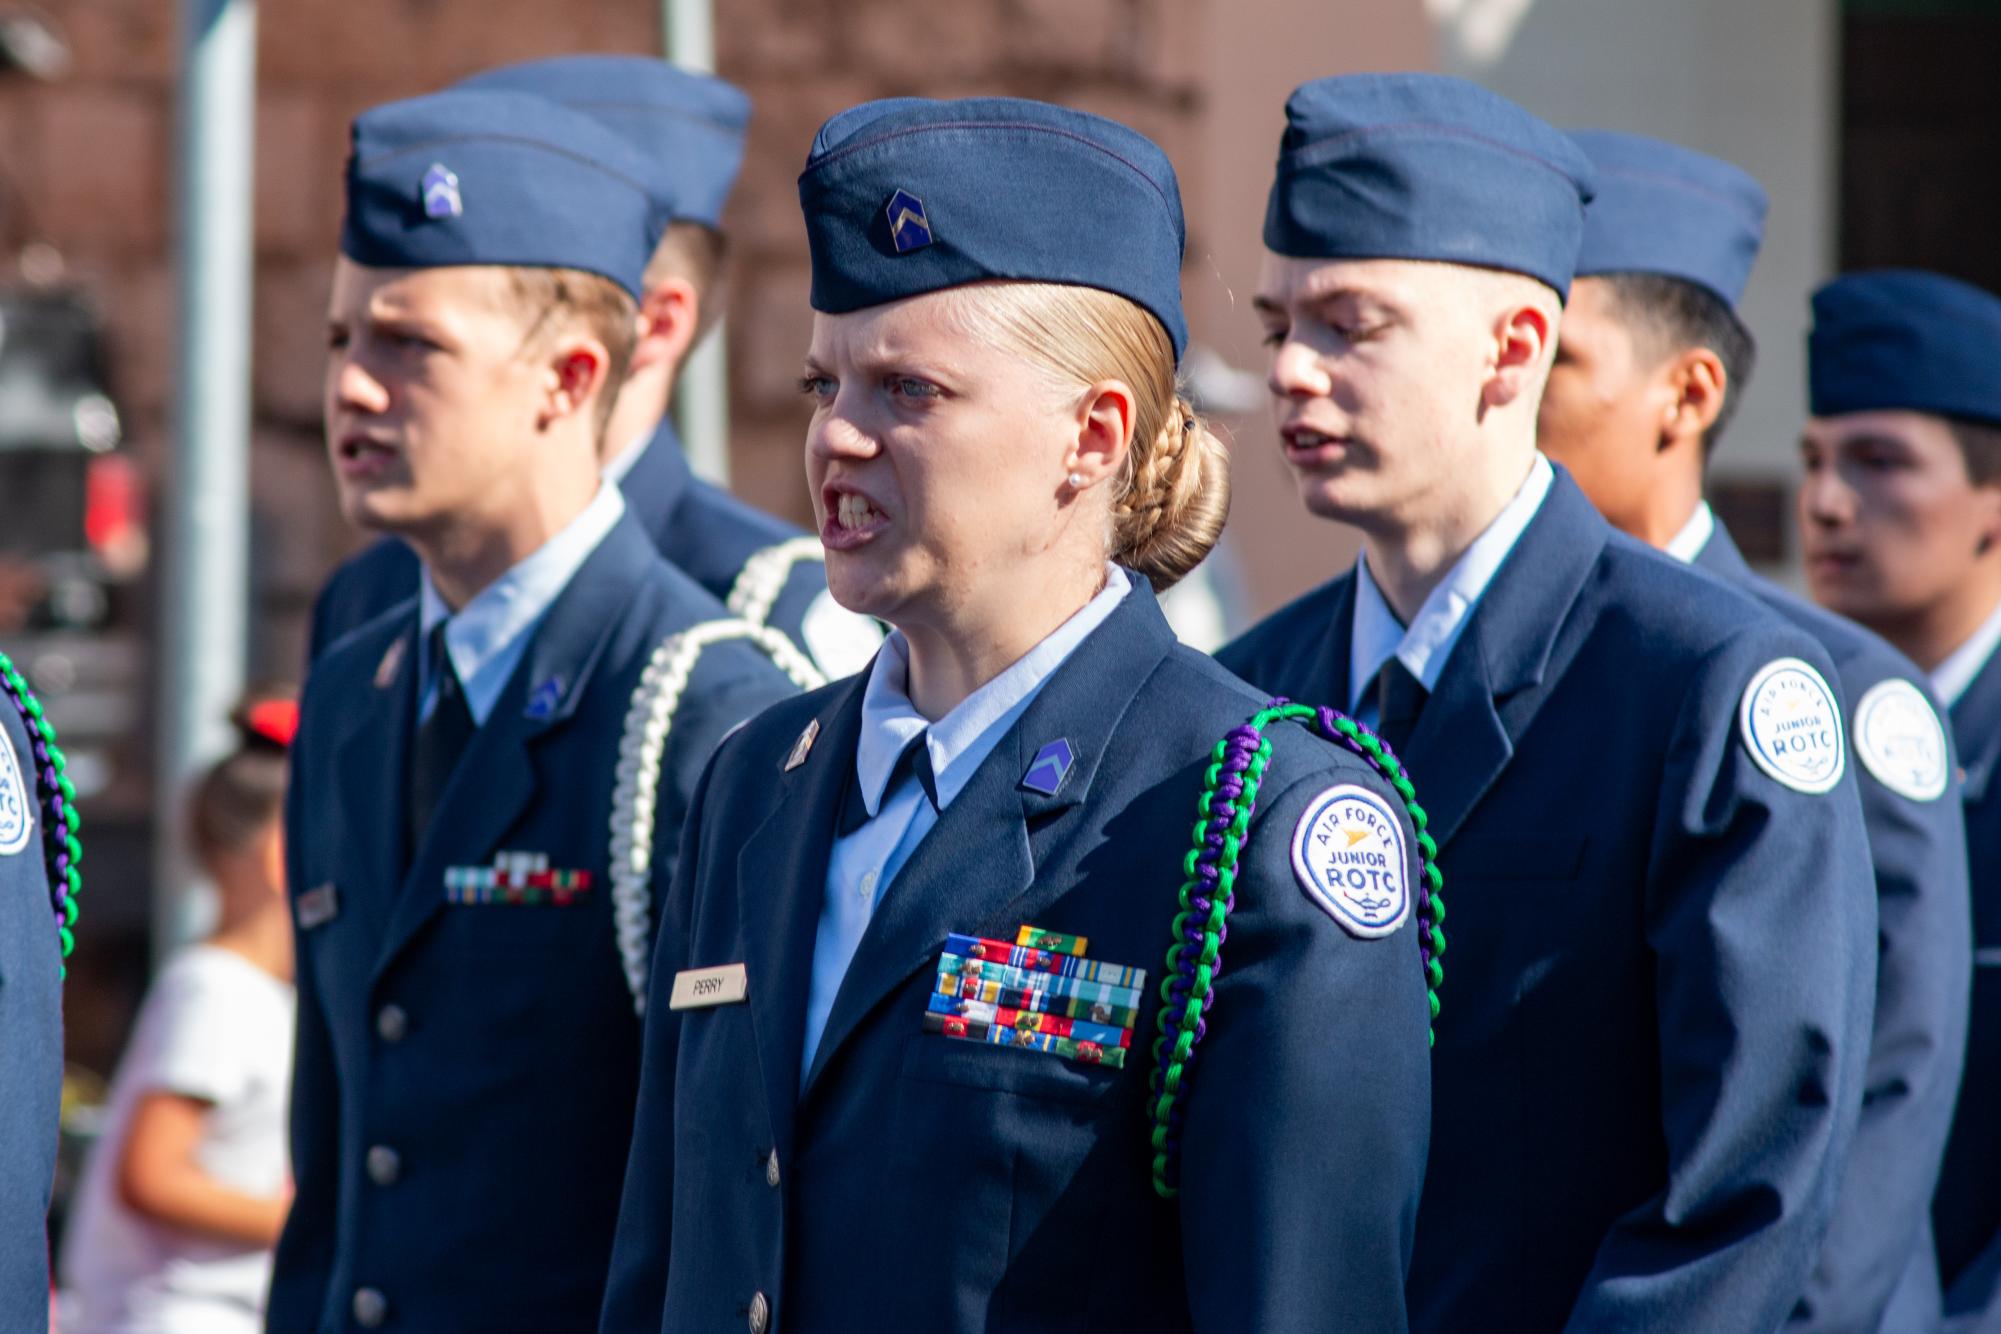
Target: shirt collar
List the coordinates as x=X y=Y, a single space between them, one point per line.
x=481 y=635
x=1687 y=544
x=619 y=465
x=965 y=736
x=1951 y=677
x=1424 y=645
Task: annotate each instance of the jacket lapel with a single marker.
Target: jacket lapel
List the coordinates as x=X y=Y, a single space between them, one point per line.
x=1976 y=726
x=497 y=777
x=975 y=870
x=1489 y=690
x=369 y=767
x=781 y=889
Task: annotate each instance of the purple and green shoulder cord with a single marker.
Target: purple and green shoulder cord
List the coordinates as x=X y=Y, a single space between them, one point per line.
x=1229 y=799
x=60 y=822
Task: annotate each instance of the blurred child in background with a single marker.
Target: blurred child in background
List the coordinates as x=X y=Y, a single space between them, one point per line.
x=184 y=1196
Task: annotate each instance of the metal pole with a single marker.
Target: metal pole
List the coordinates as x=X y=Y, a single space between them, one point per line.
x=702 y=394
x=204 y=585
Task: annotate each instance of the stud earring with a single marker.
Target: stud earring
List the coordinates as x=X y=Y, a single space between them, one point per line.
x=1076 y=481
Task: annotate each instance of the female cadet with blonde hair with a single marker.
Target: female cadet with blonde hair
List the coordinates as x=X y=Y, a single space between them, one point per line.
x=900 y=1066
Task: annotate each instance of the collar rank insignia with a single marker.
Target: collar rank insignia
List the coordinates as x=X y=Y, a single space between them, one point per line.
x=392 y=658
x=1049 y=768
x=909 y=227
x=803 y=746
x=542 y=704
x=441 y=192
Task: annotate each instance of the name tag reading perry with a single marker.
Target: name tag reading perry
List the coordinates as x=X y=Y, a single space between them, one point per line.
x=700 y=988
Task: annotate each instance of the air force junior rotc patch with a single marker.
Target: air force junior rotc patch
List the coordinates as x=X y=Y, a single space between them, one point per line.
x=1900 y=740
x=17 y=807
x=1792 y=726
x=1349 y=856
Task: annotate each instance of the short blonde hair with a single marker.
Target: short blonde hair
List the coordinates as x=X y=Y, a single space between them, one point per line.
x=1173 y=492
x=551 y=299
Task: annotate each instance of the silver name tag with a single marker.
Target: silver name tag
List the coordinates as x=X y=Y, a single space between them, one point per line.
x=699 y=988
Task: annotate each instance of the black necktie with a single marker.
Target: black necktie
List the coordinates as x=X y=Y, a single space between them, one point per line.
x=1399 y=700
x=441 y=739
x=916 y=758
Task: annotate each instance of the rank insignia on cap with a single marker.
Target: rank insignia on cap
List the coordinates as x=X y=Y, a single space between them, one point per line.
x=1049 y=768
x=803 y=746
x=385 y=670
x=542 y=703
x=441 y=192
x=909 y=228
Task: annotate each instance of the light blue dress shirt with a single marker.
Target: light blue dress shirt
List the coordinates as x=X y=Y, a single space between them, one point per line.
x=1426 y=643
x=865 y=863
x=488 y=635
x=1687 y=544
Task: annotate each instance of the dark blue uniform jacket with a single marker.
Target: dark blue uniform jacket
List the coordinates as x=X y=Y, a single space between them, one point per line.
x=466 y=1072
x=31 y=1058
x=1967 y=1209
x=923 y=1183
x=701 y=529
x=1877 y=1269
x=1659 y=988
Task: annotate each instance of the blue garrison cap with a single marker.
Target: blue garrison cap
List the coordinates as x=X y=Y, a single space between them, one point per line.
x=496 y=178
x=1905 y=339
x=907 y=196
x=689 y=126
x=1665 y=209
x=1425 y=166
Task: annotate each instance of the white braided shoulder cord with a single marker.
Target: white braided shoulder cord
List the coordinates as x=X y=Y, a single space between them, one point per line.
x=763 y=577
x=642 y=749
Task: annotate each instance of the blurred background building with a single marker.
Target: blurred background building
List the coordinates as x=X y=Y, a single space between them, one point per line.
x=1870 y=121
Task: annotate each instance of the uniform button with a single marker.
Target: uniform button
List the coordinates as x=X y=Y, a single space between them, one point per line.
x=371 y=1308
x=384 y=1165
x=760 y=1314
x=391 y=1023
x=771 y=1169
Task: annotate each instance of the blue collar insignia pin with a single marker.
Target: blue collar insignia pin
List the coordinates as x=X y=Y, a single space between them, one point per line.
x=441 y=192
x=392 y=658
x=1049 y=768
x=909 y=227
x=803 y=746
x=542 y=703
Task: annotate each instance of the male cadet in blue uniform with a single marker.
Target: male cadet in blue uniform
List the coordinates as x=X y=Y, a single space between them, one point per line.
x=690 y=129
x=1648 y=368
x=1900 y=516
x=1663 y=920
x=31 y=1033
x=468 y=1050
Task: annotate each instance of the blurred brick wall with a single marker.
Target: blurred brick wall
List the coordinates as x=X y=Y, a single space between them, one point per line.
x=86 y=165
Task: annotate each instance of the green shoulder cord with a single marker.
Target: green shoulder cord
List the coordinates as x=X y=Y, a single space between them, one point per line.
x=60 y=822
x=1229 y=799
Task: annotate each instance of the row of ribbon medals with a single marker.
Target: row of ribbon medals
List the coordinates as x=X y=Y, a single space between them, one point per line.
x=1039 y=993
